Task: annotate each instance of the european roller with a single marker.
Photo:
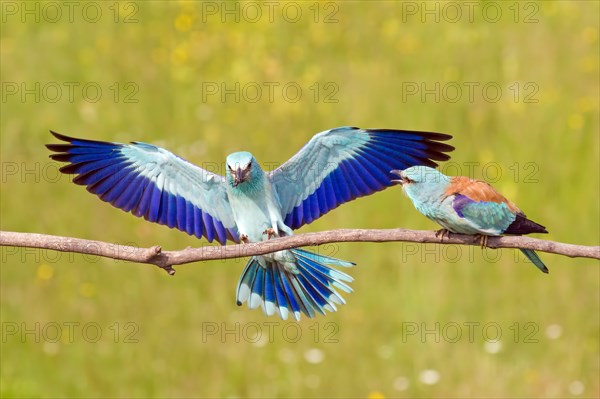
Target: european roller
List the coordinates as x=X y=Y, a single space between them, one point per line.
x=467 y=206
x=251 y=205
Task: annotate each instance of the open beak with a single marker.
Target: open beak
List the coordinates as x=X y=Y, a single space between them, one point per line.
x=399 y=174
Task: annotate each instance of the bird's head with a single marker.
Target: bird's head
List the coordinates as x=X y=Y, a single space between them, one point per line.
x=420 y=179
x=240 y=166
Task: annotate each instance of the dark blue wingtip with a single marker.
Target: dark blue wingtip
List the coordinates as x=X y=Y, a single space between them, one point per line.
x=410 y=147
x=55 y=134
x=75 y=140
x=426 y=134
x=61 y=136
x=58 y=147
x=70 y=139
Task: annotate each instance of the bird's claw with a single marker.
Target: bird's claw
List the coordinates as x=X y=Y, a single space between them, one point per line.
x=244 y=238
x=270 y=232
x=441 y=233
x=482 y=238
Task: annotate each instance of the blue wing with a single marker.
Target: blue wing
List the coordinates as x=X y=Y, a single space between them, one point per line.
x=151 y=182
x=342 y=164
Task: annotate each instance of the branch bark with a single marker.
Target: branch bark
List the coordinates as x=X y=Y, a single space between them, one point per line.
x=166 y=259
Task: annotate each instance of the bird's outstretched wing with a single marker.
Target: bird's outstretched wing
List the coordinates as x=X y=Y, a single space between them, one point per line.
x=342 y=164
x=150 y=182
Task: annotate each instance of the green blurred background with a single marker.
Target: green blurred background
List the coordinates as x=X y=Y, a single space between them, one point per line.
x=422 y=320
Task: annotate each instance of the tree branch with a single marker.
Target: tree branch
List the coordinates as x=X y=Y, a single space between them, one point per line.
x=166 y=259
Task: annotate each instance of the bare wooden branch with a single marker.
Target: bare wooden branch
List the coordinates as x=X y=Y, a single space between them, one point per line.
x=166 y=259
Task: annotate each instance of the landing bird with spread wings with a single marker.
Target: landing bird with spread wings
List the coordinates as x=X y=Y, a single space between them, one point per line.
x=250 y=205
x=466 y=206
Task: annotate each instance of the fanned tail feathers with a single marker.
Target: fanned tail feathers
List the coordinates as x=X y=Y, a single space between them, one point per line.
x=309 y=288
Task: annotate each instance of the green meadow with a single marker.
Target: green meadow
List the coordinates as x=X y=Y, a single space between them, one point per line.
x=515 y=83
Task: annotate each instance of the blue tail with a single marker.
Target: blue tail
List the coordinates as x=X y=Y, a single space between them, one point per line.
x=535 y=259
x=293 y=281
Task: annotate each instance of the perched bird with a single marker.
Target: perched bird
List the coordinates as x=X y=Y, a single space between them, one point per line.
x=466 y=206
x=250 y=205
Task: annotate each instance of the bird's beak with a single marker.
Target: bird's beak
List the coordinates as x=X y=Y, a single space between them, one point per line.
x=238 y=177
x=399 y=174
